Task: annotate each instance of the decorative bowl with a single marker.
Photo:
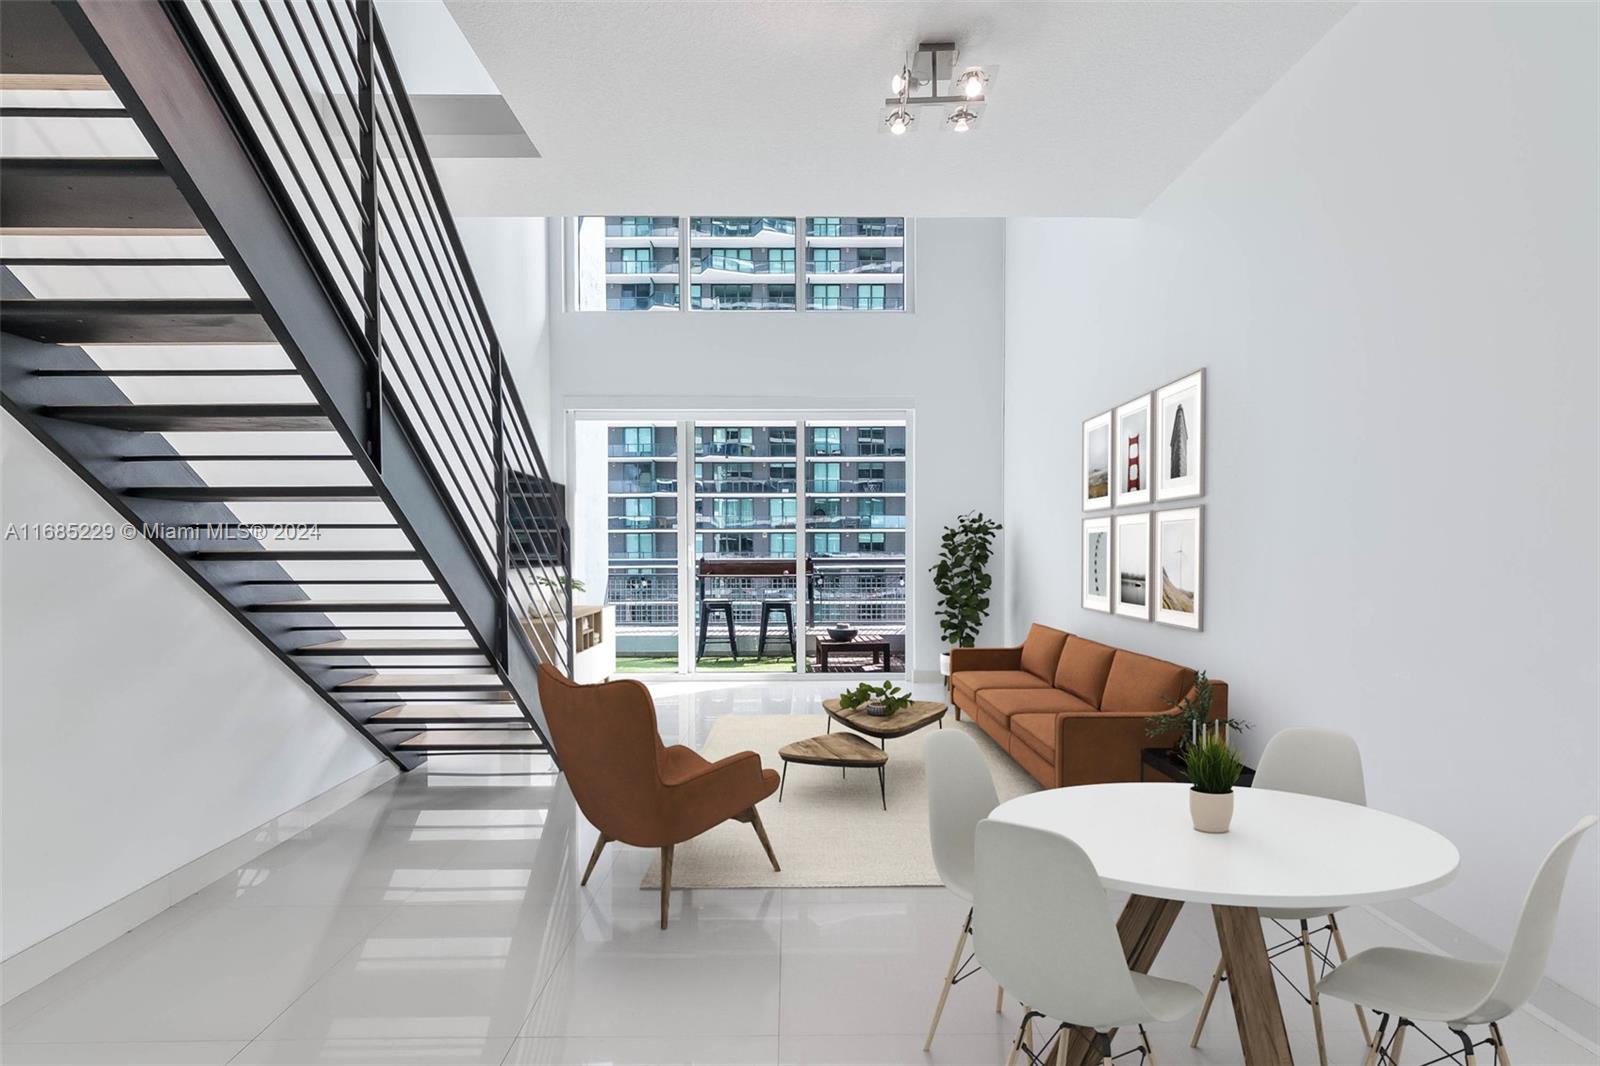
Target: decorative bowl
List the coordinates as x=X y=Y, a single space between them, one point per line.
x=877 y=708
x=842 y=633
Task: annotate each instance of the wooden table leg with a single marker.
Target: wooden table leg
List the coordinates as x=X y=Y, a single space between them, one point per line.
x=1143 y=927
x=1250 y=984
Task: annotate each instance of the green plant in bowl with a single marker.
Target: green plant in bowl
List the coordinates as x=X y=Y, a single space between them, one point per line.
x=1212 y=764
x=879 y=700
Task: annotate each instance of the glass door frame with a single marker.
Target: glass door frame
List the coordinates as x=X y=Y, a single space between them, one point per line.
x=687 y=417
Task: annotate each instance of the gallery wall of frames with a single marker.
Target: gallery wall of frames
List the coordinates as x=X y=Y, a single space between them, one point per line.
x=1141 y=559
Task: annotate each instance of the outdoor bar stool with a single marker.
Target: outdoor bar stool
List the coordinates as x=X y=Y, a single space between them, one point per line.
x=769 y=608
x=725 y=609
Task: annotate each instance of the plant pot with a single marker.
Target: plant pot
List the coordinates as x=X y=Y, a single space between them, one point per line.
x=1211 y=812
x=877 y=708
x=944 y=664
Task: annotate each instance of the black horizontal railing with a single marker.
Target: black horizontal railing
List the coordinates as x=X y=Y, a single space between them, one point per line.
x=320 y=103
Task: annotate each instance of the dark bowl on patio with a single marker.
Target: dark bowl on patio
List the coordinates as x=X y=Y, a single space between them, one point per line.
x=842 y=633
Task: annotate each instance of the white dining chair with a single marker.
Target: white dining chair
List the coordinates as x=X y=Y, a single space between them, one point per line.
x=1048 y=934
x=960 y=795
x=1312 y=762
x=1413 y=986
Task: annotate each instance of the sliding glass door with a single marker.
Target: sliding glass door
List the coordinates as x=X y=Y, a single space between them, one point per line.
x=735 y=543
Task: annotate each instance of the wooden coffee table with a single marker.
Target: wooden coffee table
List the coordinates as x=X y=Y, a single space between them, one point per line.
x=844 y=750
x=916 y=715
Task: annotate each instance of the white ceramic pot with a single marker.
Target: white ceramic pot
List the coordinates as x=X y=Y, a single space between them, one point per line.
x=1210 y=811
x=944 y=664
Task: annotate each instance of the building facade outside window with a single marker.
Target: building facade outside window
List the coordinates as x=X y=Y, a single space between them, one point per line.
x=740 y=263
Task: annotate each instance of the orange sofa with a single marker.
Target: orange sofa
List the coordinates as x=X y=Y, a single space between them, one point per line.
x=1069 y=710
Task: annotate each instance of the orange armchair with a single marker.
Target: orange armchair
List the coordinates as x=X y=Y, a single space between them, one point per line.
x=633 y=788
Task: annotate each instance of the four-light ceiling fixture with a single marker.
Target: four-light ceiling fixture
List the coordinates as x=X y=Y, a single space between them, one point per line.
x=932 y=77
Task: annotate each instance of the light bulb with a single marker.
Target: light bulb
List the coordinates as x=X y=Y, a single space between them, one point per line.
x=972 y=83
x=899 y=121
x=961 y=120
x=899 y=82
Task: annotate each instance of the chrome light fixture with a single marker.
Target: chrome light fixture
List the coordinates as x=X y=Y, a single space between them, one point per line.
x=929 y=77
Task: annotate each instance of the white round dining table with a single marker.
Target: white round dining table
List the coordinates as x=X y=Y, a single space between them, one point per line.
x=1283 y=850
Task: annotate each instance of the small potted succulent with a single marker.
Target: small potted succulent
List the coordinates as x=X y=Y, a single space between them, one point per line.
x=1213 y=768
x=880 y=701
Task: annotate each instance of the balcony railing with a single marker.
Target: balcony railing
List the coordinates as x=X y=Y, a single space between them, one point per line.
x=859 y=227
x=646 y=228
x=667 y=299
x=316 y=97
x=641 y=266
x=856 y=485
x=887 y=302
x=744 y=484
x=663 y=446
x=643 y=485
x=856 y=266
x=739 y=265
x=744 y=303
x=632 y=523
x=739 y=227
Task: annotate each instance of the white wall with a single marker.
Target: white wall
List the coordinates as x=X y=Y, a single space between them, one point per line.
x=140 y=725
x=942 y=360
x=508 y=257
x=1389 y=269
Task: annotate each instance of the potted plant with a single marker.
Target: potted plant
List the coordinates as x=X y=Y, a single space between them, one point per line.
x=961 y=578
x=880 y=701
x=1213 y=767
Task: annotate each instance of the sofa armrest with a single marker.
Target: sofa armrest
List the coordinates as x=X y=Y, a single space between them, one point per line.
x=1096 y=747
x=985 y=659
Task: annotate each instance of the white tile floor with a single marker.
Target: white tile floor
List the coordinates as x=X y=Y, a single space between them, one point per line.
x=439 y=920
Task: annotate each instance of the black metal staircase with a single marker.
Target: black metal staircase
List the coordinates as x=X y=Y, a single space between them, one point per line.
x=233 y=300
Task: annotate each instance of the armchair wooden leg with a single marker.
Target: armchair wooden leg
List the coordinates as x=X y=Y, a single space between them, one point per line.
x=666 y=882
x=761 y=834
x=599 y=846
x=1205 y=1008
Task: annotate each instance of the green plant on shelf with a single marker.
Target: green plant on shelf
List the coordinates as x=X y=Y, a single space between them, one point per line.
x=1190 y=715
x=1211 y=763
x=890 y=695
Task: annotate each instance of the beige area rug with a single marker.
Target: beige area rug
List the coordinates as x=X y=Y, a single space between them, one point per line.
x=828 y=832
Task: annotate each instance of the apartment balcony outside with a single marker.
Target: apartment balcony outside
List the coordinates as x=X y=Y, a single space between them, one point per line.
x=644 y=523
x=641 y=226
x=854 y=298
x=742 y=297
x=856 y=485
x=662 y=264
x=712 y=226
x=818 y=226
x=641 y=298
x=846 y=442
x=649 y=486
x=847 y=266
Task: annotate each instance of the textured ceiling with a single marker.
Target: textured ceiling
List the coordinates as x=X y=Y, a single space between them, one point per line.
x=735 y=107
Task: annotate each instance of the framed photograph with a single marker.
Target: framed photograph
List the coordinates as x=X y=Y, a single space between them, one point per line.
x=1133 y=444
x=1097 y=463
x=1131 y=591
x=1178 y=548
x=1097 y=563
x=1181 y=421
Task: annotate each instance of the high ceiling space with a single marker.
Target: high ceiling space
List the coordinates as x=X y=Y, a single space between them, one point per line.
x=670 y=107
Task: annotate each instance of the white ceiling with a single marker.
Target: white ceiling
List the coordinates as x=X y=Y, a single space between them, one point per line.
x=758 y=107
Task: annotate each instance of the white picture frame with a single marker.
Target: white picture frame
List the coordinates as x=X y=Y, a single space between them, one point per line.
x=1097 y=572
x=1097 y=462
x=1180 y=413
x=1130 y=546
x=1133 y=446
x=1179 y=593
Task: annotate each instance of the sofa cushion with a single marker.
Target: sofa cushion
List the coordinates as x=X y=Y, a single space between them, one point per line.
x=1142 y=685
x=1038 y=731
x=1041 y=651
x=971 y=682
x=1083 y=669
x=1005 y=702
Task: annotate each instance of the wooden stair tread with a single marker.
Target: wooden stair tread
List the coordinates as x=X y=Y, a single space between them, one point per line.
x=79 y=322
x=182 y=417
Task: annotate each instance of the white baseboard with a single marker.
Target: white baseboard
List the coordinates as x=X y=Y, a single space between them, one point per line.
x=1555 y=1005
x=38 y=962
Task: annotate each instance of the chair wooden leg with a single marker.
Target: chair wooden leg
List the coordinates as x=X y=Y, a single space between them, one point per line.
x=1149 y=1050
x=1344 y=956
x=666 y=883
x=1311 y=992
x=1205 y=1008
x=949 y=979
x=1000 y=999
x=1022 y=1030
x=1502 y=1057
x=599 y=846
x=1376 y=1046
x=1398 y=1044
x=761 y=834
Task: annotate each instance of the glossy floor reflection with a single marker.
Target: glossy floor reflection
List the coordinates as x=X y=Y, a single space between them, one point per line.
x=438 y=919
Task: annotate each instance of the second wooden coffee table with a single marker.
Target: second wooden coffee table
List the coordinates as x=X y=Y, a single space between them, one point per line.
x=917 y=715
